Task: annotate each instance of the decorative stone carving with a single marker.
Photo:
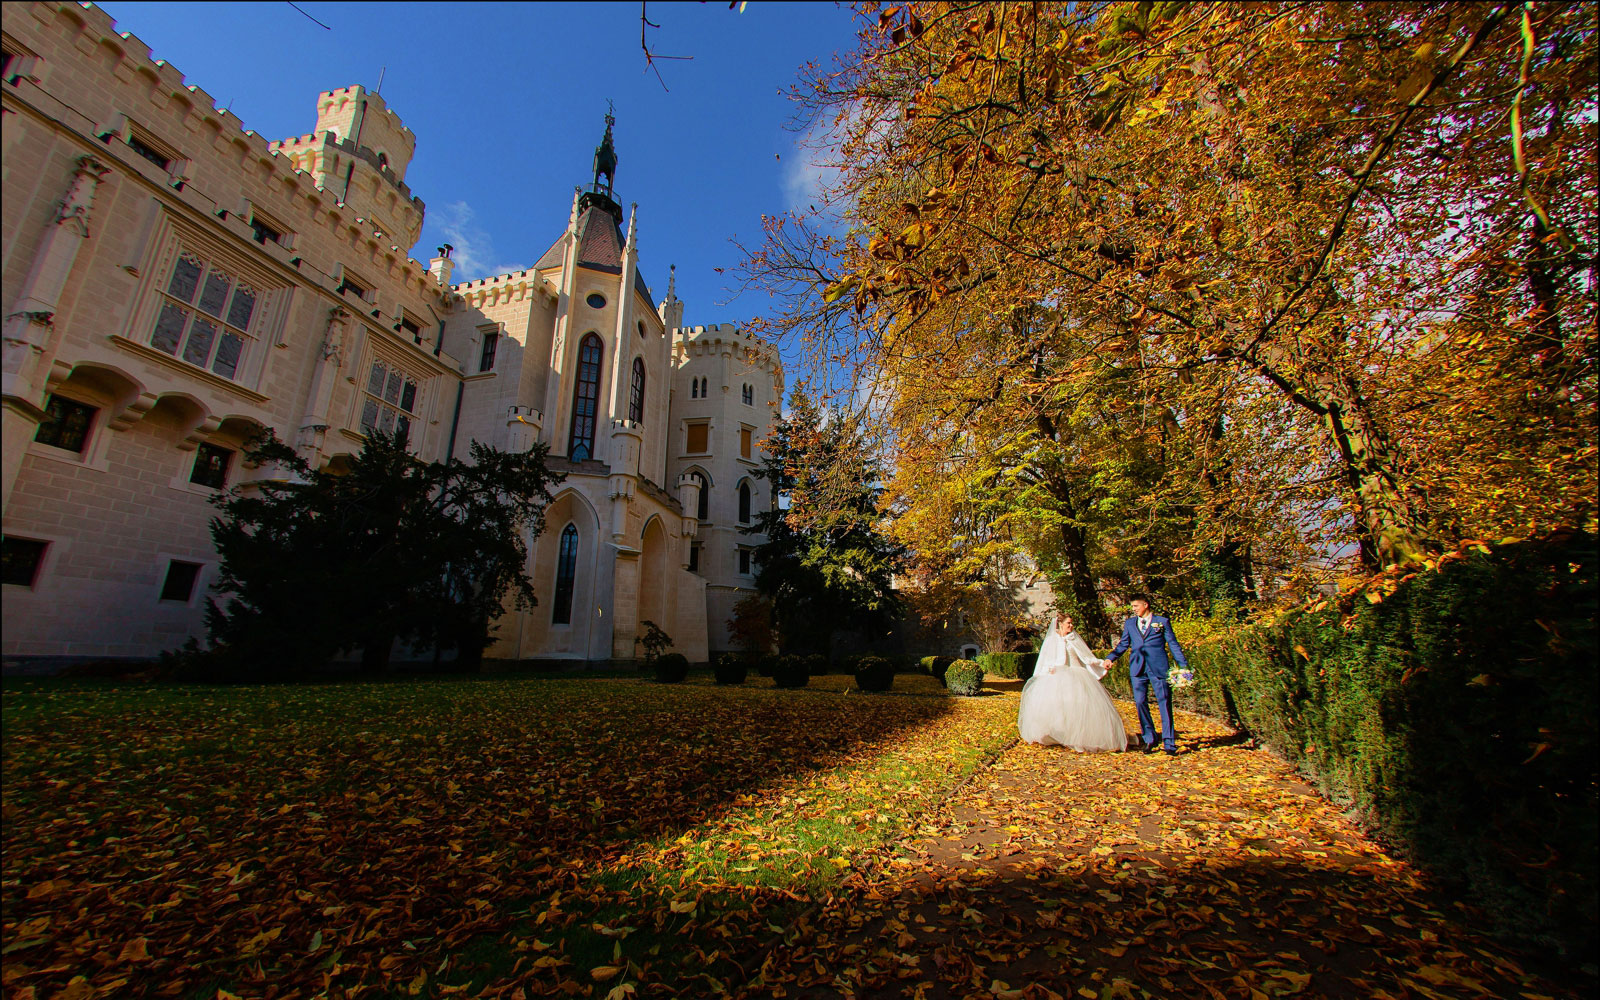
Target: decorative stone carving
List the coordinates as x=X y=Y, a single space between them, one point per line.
x=73 y=208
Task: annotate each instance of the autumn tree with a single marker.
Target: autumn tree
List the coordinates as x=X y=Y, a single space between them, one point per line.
x=1334 y=260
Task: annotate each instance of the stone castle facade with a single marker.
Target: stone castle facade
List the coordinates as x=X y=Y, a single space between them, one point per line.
x=173 y=285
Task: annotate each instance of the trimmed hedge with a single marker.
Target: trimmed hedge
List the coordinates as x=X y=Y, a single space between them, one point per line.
x=791 y=672
x=874 y=673
x=1007 y=665
x=731 y=668
x=671 y=668
x=964 y=677
x=1456 y=718
x=939 y=666
x=1011 y=666
x=925 y=665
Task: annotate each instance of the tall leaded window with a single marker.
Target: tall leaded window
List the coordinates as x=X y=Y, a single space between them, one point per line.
x=744 y=503
x=566 y=574
x=491 y=341
x=748 y=395
x=205 y=315
x=636 y=394
x=585 y=400
x=391 y=401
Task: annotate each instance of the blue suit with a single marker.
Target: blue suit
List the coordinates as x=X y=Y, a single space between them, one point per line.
x=1147 y=670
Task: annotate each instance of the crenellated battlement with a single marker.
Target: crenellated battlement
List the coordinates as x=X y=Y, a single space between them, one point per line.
x=724 y=339
x=161 y=91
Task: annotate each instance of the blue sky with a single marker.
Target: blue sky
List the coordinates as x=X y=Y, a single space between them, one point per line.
x=507 y=102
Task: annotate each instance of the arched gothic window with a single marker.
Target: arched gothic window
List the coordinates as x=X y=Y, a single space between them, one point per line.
x=636 y=395
x=566 y=574
x=744 y=503
x=585 y=400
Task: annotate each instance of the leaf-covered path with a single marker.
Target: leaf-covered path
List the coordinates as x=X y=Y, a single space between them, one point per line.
x=1217 y=873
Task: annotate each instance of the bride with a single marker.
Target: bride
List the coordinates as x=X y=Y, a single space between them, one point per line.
x=1063 y=703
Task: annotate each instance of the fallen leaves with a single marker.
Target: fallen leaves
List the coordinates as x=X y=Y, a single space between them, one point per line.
x=446 y=837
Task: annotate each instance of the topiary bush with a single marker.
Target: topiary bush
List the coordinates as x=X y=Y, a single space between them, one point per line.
x=766 y=665
x=671 y=668
x=1026 y=662
x=939 y=666
x=874 y=673
x=791 y=672
x=816 y=664
x=925 y=665
x=1455 y=717
x=731 y=668
x=964 y=677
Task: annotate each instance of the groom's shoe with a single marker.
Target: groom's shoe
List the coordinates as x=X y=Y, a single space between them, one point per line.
x=1170 y=751
x=1148 y=747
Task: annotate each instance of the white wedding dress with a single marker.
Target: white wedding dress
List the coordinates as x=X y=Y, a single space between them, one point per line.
x=1063 y=703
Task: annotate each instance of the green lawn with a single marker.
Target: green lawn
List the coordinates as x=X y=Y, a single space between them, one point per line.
x=440 y=836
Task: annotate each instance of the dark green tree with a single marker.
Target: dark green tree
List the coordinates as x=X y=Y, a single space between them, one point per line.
x=826 y=565
x=316 y=563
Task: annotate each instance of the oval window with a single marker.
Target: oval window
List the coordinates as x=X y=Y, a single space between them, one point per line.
x=596 y=300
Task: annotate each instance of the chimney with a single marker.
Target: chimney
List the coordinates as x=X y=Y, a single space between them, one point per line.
x=442 y=266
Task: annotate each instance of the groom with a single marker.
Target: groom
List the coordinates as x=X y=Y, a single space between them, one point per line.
x=1148 y=635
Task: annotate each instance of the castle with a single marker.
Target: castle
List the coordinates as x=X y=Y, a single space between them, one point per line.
x=174 y=285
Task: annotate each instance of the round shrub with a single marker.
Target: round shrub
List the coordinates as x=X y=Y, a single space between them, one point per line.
x=791 y=672
x=926 y=664
x=1025 y=664
x=874 y=673
x=731 y=668
x=766 y=665
x=672 y=668
x=964 y=677
x=940 y=666
x=816 y=664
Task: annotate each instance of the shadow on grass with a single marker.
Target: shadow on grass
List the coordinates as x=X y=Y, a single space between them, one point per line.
x=368 y=831
x=1276 y=926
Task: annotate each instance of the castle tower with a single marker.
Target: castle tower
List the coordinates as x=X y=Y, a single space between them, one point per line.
x=727 y=392
x=359 y=152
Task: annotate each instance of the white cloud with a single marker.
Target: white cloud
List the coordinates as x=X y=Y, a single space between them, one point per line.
x=474 y=248
x=805 y=177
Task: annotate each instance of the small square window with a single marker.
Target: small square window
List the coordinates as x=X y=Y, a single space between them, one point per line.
x=491 y=342
x=699 y=439
x=265 y=232
x=181 y=577
x=21 y=559
x=66 y=424
x=349 y=284
x=411 y=328
x=211 y=465
x=150 y=153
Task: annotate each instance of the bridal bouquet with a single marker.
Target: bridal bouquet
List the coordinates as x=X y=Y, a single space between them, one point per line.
x=1182 y=678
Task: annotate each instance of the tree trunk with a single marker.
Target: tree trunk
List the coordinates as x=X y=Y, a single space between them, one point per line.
x=375 y=652
x=1388 y=526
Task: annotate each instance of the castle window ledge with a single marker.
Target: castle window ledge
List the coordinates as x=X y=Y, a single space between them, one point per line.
x=171 y=363
x=443 y=364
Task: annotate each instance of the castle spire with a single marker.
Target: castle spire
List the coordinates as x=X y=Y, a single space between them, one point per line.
x=605 y=155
